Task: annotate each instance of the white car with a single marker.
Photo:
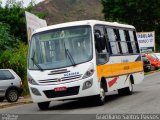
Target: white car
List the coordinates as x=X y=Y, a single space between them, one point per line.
x=10 y=85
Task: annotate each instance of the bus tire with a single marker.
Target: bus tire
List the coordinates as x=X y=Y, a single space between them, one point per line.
x=100 y=99
x=1 y=99
x=43 y=105
x=126 y=91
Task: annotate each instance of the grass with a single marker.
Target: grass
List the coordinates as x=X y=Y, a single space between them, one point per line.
x=147 y=73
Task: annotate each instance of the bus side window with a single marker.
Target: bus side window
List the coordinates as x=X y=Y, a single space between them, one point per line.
x=133 y=42
x=112 y=36
x=128 y=42
x=123 y=42
x=101 y=55
x=135 y=37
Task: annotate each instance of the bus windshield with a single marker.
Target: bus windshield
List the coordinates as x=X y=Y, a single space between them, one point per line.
x=60 y=48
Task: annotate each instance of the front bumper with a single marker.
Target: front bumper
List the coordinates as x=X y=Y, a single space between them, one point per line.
x=74 y=90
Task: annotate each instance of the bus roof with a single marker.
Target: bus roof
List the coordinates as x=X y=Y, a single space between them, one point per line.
x=84 y=22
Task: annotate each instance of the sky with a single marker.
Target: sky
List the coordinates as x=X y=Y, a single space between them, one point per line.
x=26 y=2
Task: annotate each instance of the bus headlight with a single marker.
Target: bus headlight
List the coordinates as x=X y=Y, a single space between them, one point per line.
x=35 y=91
x=32 y=81
x=87 y=84
x=89 y=72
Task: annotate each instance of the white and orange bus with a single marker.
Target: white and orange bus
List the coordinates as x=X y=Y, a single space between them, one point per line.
x=83 y=59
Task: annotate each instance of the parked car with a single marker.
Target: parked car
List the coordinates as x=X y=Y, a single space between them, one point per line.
x=146 y=64
x=157 y=55
x=10 y=85
x=154 y=62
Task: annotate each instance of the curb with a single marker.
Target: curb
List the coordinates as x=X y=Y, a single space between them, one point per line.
x=14 y=104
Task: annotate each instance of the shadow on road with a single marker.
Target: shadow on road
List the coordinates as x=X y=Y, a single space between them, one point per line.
x=77 y=104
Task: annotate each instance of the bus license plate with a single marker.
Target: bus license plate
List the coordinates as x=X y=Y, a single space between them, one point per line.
x=58 y=89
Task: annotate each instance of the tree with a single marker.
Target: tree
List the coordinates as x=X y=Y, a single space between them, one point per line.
x=7 y=41
x=14 y=15
x=16 y=59
x=11 y=3
x=143 y=14
x=13 y=53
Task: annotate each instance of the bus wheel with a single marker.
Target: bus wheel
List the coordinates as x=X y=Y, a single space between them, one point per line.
x=1 y=99
x=126 y=91
x=43 y=105
x=100 y=99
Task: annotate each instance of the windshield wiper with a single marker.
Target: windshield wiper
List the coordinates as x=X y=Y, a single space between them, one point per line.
x=69 y=55
x=34 y=62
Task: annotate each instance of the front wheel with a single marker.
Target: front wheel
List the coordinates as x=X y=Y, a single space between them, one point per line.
x=43 y=105
x=1 y=99
x=100 y=99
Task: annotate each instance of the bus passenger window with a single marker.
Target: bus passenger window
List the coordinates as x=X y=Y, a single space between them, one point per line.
x=112 y=41
x=101 y=55
x=135 y=37
x=128 y=42
x=123 y=42
x=133 y=42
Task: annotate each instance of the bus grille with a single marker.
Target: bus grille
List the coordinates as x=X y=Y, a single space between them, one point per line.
x=68 y=92
x=58 y=72
x=60 y=79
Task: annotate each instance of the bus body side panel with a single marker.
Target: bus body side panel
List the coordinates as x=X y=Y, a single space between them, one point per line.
x=117 y=82
x=119 y=69
x=138 y=77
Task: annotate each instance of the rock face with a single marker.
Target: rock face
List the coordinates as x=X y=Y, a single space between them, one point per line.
x=59 y=11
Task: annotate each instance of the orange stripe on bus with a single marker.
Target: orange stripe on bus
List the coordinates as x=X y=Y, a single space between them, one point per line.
x=110 y=70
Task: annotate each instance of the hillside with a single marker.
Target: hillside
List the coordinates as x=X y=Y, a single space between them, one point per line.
x=58 y=11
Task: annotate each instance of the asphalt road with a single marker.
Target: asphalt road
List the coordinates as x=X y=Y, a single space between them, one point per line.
x=145 y=99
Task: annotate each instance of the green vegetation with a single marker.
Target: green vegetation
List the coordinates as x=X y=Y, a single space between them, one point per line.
x=16 y=59
x=147 y=73
x=13 y=40
x=7 y=41
x=14 y=16
x=143 y=14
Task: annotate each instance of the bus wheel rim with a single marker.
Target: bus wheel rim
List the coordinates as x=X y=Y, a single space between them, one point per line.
x=102 y=94
x=130 y=86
